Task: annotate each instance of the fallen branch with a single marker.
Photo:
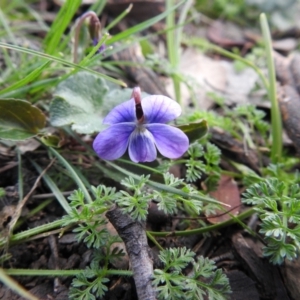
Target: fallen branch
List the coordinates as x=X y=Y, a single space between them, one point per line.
x=135 y=239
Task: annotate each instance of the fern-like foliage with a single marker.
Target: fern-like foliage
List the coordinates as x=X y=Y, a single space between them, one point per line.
x=91 y=223
x=203 y=282
x=203 y=161
x=135 y=202
x=254 y=117
x=278 y=206
x=169 y=202
x=90 y=284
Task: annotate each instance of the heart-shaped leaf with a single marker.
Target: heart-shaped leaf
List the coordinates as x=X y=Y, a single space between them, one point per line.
x=19 y=119
x=83 y=100
x=78 y=101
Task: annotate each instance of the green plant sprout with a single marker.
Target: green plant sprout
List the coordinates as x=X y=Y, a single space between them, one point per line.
x=171 y=282
x=92 y=231
x=279 y=210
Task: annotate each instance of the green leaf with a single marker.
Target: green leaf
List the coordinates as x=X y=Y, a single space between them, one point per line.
x=63 y=18
x=51 y=140
x=19 y=119
x=78 y=101
x=83 y=100
x=195 y=130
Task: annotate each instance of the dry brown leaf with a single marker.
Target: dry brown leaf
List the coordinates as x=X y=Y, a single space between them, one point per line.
x=203 y=74
x=228 y=194
x=206 y=75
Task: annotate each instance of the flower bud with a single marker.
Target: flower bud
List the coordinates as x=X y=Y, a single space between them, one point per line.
x=94 y=29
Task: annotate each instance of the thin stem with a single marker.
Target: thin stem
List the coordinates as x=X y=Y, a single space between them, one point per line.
x=73 y=174
x=177 y=48
x=218 y=226
x=152 y=238
x=85 y=61
x=119 y=18
x=79 y=22
x=20 y=176
x=33 y=212
x=27 y=272
x=169 y=189
x=53 y=187
x=284 y=221
x=275 y=111
x=98 y=6
x=173 y=48
x=33 y=231
x=62 y=61
x=13 y=285
x=141 y=26
x=182 y=17
x=129 y=162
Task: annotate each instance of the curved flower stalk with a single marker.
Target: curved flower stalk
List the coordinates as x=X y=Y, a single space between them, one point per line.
x=94 y=27
x=140 y=125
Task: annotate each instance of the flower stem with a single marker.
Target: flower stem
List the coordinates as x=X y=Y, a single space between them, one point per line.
x=79 y=22
x=218 y=226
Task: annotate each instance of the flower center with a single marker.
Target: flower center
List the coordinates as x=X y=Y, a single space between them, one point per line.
x=136 y=94
x=140 y=128
x=139 y=112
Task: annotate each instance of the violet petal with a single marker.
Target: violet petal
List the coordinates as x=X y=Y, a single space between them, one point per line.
x=112 y=142
x=160 y=109
x=170 y=141
x=141 y=146
x=124 y=112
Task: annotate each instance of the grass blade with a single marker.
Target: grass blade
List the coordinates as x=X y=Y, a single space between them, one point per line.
x=14 y=286
x=60 y=60
x=141 y=26
x=73 y=174
x=275 y=111
x=53 y=187
x=59 y=25
x=29 y=78
x=119 y=18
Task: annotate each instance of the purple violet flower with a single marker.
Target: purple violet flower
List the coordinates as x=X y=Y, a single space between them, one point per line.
x=101 y=48
x=139 y=125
